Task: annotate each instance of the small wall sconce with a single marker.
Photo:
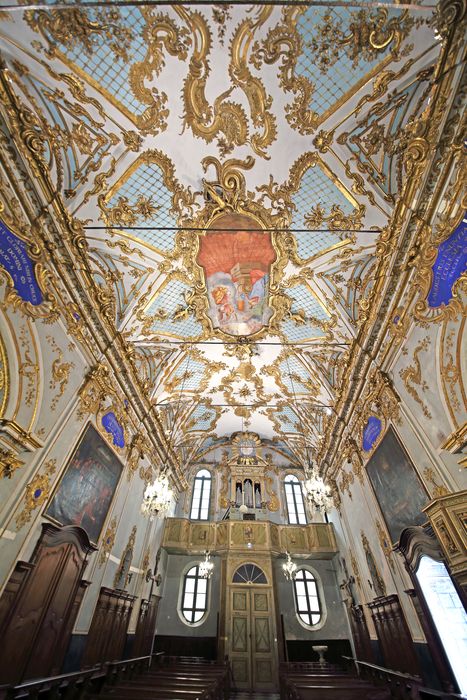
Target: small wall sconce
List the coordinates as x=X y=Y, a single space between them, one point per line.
x=150 y=577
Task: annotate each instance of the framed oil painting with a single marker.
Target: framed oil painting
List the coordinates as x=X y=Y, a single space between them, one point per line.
x=87 y=486
x=397 y=486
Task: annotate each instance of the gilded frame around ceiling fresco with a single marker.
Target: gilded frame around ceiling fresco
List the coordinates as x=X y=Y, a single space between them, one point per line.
x=228 y=195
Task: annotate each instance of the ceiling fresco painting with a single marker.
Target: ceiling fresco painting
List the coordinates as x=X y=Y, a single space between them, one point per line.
x=234 y=168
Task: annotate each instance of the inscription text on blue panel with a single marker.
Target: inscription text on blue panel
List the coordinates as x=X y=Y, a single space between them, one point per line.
x=371 y=432
x=449 y=265
x=16 y=261
x=112 y=426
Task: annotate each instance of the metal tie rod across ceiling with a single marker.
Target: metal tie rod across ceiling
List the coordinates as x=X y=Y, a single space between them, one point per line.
x=134 y=3
x=232 y=230
x=246 y=343
x=207 y=406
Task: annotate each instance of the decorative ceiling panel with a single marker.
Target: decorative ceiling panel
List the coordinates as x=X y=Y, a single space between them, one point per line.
x=233 y=167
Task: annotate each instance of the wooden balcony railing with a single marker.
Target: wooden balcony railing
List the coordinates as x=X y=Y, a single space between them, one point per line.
x=182 y=535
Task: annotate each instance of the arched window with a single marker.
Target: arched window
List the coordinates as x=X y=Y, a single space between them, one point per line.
x=294 y=499
x=201 y=496
x=249 y=573
x=307 y=603
x=194 y=596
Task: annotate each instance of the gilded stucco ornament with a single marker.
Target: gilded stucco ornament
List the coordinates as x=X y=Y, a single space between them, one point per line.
x=369 y=34
x=9 y=463
x=37 y=493
x=225 y=120
x=412 y=376
x=108 y=542
x=334 y=219
x=75 y=28
x=4 y=377
x=386 y=544
x=100 y=399
x=377 y=581
x=121 y=578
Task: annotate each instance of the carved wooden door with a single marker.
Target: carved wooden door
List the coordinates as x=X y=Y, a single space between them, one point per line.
x=252 y=650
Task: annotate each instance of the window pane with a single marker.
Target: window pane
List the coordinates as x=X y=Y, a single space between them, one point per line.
x=188 y=600
x=300 y=586
x=197 y=615
x=202 y=585
x=190 y=585
x=201 y=496
x=306 y=598
x=201 y=601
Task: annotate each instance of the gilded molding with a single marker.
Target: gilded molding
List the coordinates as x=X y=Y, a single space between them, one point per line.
x=121 y=574
x=37 y=493
x=385 y=543
x=108 y=542
x=9 y=463
x=412 y=375
x=4 y=377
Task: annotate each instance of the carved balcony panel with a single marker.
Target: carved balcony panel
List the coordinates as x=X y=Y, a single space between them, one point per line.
x=447 y=516
x=314 y=539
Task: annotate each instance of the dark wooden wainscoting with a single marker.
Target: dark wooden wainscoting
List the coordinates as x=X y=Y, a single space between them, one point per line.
x=39 y=605
x=394 y=636
x=146 y=626
x=360 y=633
x=107 y=634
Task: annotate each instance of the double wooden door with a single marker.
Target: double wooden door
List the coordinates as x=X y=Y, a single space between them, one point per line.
x=251 y=637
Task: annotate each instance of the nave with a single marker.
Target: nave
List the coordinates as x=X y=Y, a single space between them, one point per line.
x=233 y=342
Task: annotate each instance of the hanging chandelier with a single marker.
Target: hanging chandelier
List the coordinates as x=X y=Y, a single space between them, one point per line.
x=318 y=495
x=289 y=568
x=206 y=568
x=157 y=497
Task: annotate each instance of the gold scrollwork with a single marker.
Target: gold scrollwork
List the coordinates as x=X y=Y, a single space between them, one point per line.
x=60 y=372
x=412 y=375
x=224 y=117
x=97 y=397
x=385 y=543
x=4 y=377
x=121 y=574
x=369 y=34
x=37 y=493
x=9 y=462
x=108 y=542
x=336 y=220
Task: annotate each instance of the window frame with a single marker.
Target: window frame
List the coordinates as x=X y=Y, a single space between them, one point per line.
x=182 y=590
x=320 y=598
x=205 y=490
x=295 y=484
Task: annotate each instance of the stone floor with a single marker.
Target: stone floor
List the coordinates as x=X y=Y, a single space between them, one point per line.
x=254 y=696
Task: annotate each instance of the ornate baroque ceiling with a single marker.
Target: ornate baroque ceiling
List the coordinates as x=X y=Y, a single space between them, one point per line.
x=234 y=167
